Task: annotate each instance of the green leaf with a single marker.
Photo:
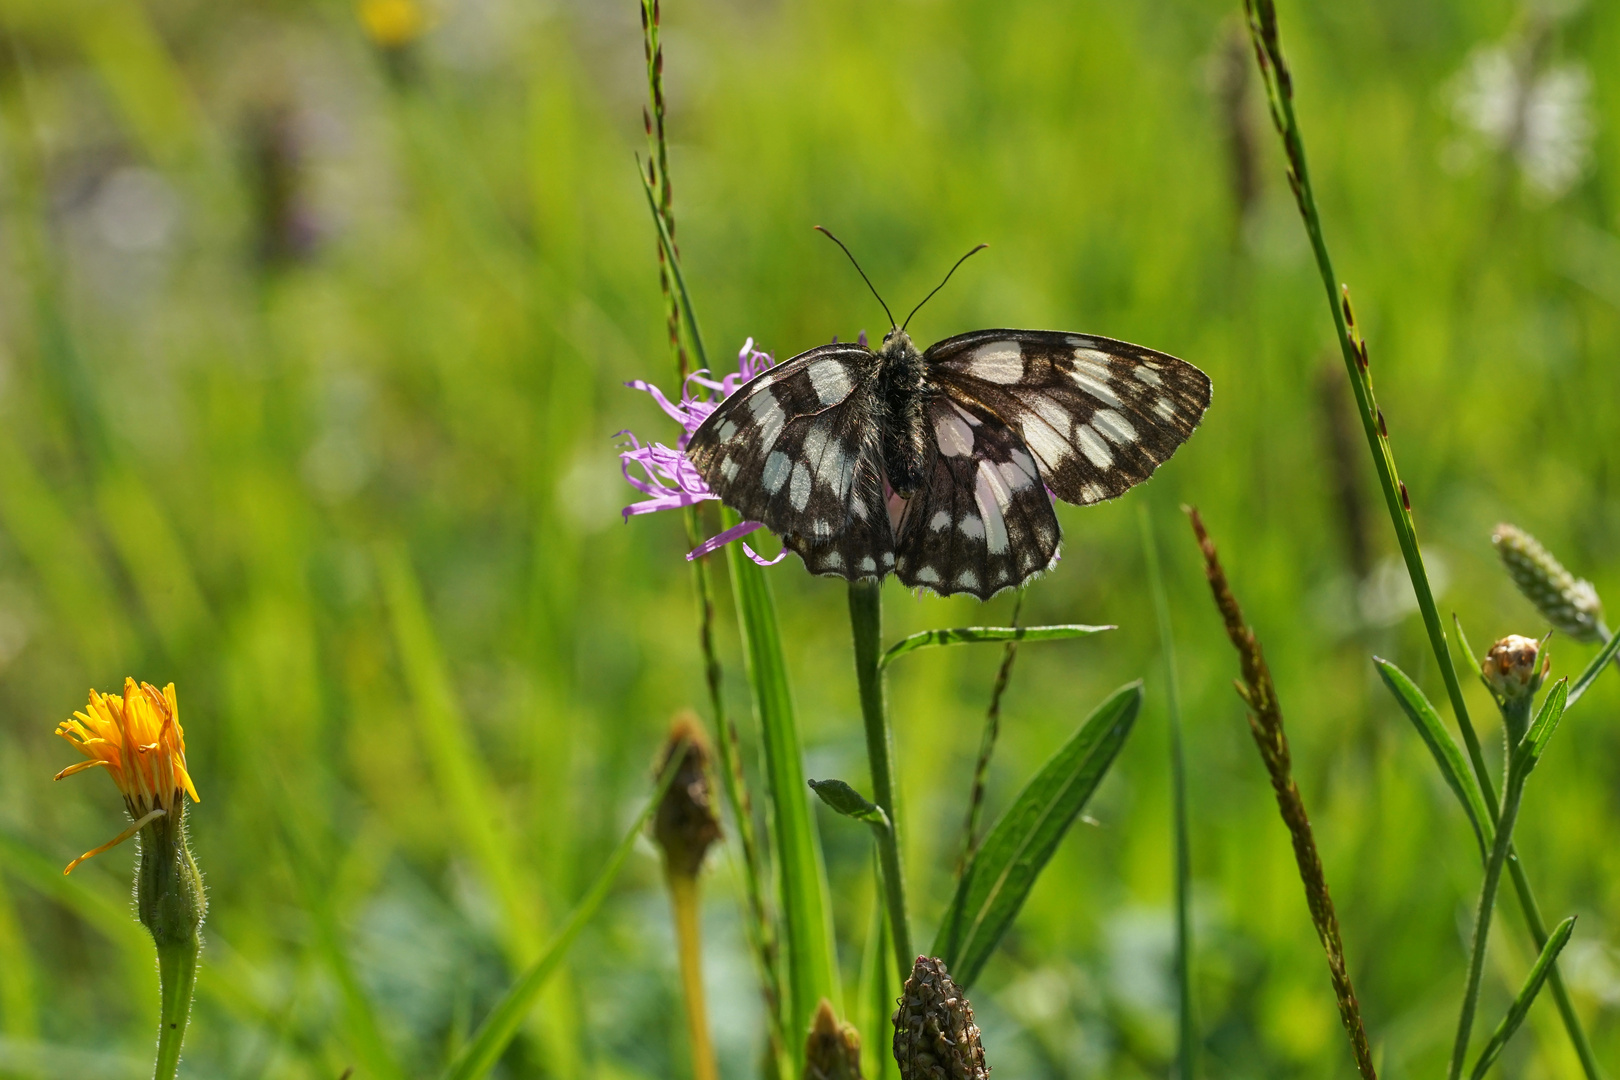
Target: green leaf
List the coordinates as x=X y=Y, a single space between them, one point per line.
x=963 y=635
x=801 y=875
x=1546 y=721
x=1595 y=668
x=1521 y=1004
x=849 y=802
x=490 y=1041
x=999 y=877
x=1446 y=753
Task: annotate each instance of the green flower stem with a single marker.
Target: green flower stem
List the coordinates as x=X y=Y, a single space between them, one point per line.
x=1500 y=849
x=1262 y=17
x=866 y=621
x=177 y=981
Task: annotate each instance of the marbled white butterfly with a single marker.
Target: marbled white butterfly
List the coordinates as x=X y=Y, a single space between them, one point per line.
x=936 y=465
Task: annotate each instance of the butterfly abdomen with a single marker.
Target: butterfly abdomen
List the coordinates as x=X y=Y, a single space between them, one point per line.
x=900 y=395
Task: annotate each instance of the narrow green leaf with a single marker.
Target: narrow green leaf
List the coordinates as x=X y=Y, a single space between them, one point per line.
x=1595 y=668
x=1521 y=1004
x=999 y=877
x=1446 y=753
x=490 y=1041
x=963 y=635
x=801 y=875
x=849 y=802
x=1546 y=721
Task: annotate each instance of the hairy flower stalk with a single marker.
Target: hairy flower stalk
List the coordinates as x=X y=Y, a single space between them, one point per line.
x=1266 y=725
x=137 y=738
x=685 y=825
x=833 y=1050
x=1569 y=603
x=935 y=1037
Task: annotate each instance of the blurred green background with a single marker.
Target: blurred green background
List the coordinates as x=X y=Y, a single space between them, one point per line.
x=311 y=352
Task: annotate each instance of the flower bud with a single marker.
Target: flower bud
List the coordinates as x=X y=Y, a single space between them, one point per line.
x=935 y=1037
x=1570 y=604
x=169 y=895
x=833 y=1050
x=1510 y=668
x=686 y=823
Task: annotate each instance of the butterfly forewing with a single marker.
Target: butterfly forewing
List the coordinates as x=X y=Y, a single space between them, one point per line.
x=796 y=449
x=982 y=520
x=1098 y=415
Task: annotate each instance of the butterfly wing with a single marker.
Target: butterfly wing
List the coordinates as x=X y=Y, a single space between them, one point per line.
x=796 y=448
x=982 y=520
x=1098 y=415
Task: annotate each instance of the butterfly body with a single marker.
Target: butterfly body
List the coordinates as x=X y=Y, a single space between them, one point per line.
x=940 y=466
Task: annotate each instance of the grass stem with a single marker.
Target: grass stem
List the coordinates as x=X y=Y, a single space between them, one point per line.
x=987 y=744
x=1262 y=18
x=683 y=898
x=1500 y=848
x=866 y=622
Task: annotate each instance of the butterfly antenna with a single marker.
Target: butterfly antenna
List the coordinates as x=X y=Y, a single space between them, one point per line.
x=859 y=271
x=941 y=285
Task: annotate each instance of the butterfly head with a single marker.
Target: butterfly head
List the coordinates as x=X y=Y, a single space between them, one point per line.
x=897 y=344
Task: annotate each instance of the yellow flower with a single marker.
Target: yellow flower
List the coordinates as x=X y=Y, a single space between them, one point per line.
x=392 y=24
x=138 y=739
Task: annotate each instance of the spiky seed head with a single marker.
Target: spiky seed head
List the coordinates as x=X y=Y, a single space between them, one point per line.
x=686 y=823
x=1569 y=603
x=833 y=1050
x=935 y=1037
x=1510 y=668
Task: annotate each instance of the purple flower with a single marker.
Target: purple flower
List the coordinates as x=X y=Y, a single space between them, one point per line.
x=667 y=476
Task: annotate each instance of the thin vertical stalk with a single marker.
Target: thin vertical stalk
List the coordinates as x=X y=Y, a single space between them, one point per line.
x=1266 y=725
x=987 y=745
x=177 y=980
x=1262 y=18
x=866 y=624
x=1187 y=1042
x=1500 y=849
x=683 y=898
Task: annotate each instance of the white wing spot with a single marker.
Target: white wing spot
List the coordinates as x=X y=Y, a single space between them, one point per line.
x=1114 y=427
x=1000 y=362
x=1165 y=408
x=775 y=473
x=770 y=416
x=972 y=527
x=973 y=421
x=1093 y=493
x=799 y=490
x=729 y=467
x=833 y=561
x=967 y=579
x=992 y=497
x=1018 y=472
x=1053 y=414
x=830 y=380
x=1146 y=373
x=727 y=430
x=953 y=434
x=868 y=564
x=1075 y=341
x=1093 y=447
x=1090 y=373
x=928 y=575
x=940 y=521
x=821 y=529
x=857 y=506
x=1048 y=445
x=888 y=558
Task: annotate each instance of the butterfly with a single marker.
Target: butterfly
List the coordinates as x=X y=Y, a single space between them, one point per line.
x=940 y=466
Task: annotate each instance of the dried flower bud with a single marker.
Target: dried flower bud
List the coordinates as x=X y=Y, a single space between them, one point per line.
x=1510 y=668
x=935 y=1037
x=686 y=823
x=1571 y=605
x=833 y=1050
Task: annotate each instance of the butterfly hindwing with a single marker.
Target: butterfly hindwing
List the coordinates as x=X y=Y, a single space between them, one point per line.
x=796 y=449
x=982 y=520
x=1098 y=415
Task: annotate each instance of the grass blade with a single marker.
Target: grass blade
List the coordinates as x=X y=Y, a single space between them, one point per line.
x=1447 y=755
x=1595 y=668
x=1019 y=846
x=964 y=635
x=1521 y=1004
x=493 y=1036
x=801 y=877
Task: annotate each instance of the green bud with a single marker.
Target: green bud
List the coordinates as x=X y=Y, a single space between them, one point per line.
x=169 y=896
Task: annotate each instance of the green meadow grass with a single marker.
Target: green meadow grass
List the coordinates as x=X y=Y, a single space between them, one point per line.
x=354 y=491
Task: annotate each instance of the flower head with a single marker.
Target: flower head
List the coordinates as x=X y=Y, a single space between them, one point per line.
x=935 y=1037
x=686 y=824
x=137 y=738
x=1571 y=604
x=833 y=1050
x=1510 y=668
x=665 y=475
